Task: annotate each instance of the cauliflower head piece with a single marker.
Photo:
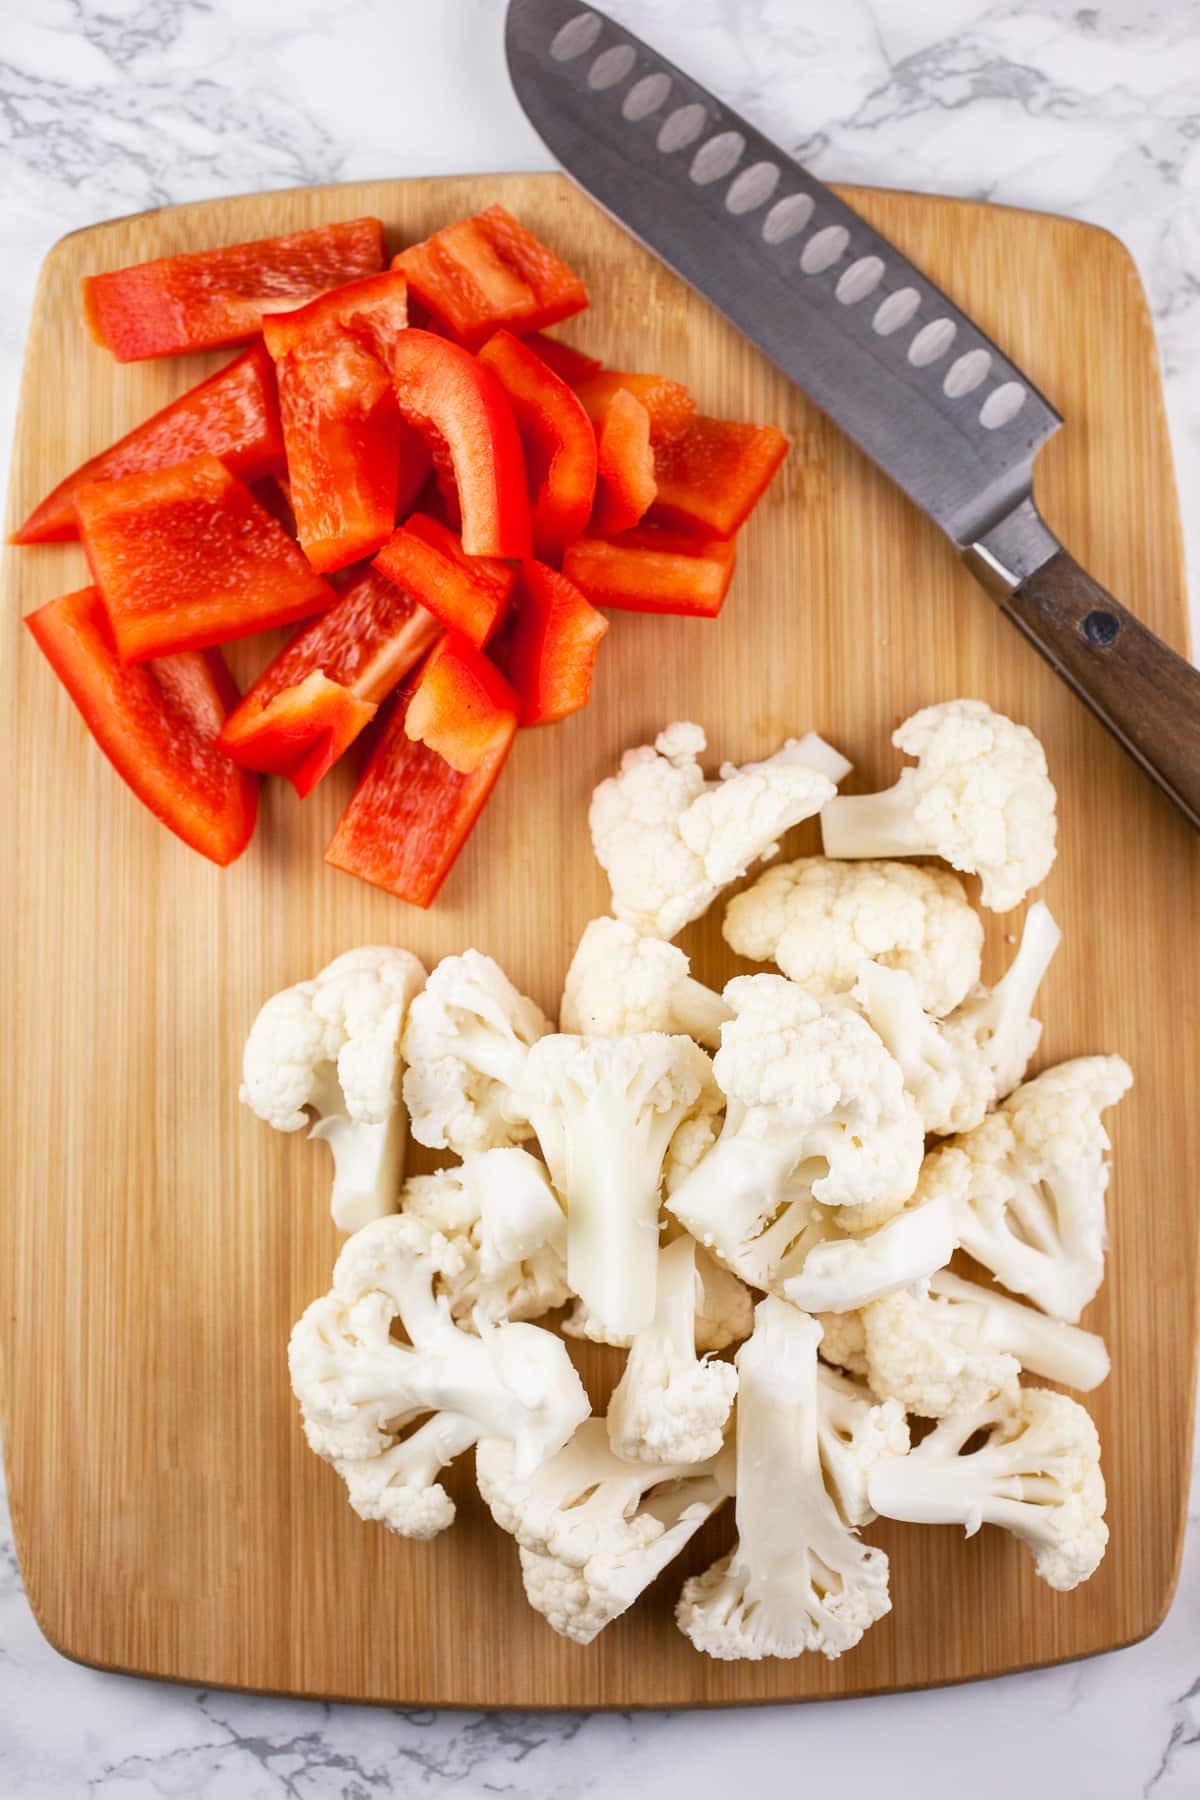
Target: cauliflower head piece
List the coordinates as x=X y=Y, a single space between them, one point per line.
x=621 y=983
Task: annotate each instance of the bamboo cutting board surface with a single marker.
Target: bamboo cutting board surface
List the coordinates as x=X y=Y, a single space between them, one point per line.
x=159 y=1241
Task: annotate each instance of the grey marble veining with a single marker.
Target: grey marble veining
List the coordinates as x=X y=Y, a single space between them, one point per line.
x=110 y=107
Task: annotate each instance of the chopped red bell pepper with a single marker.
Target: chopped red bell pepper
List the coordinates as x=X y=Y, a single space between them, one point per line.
x=554 y=644
x=713 y=474
x=156 y=723
x=569 y=364
x=346 y=443
x=625 y=483
x=669 y=404
x=233 y=414
x=207 y=298
x=308 y=706
x=463 y=413
x=186 y=557
x=469 y=594
x=412 y=813
x=559 y=443
x=462 y=706
x=487 y=271
x=653 y=570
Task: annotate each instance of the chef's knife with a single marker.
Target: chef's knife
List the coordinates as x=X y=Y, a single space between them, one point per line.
x=873 y=342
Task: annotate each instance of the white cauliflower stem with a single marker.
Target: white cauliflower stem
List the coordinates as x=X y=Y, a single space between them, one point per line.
x=822 y=922
x=621 y=983
x=810 y=1089
x=853 y=1431
x=501 y=1213
x=325 y=1055
x=1034 y=1210
x=669 y=1406
x=594 y=1531
x=465 y=1045
x=1036 y=1474
x=956 y=1068
x=360 y=1389
x=605 y=1110
x=797 y=1579
x=669 y=840
x=980 y=798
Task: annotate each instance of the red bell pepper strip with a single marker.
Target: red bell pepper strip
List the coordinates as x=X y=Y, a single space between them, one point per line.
x=569 y=364
x=712 y=475
x=186 y=557
x=625 y=483
x=554 y=644
x=557 y=436
x=411 y=813
x=308 y=706
x=487 y=271
x=653 y=570
x=207 y=298
x=156 y=723
x=469 y=594
x=462 y=411
x=669 y=404
x=346 y=443
x=234 y=414
x=462 y=706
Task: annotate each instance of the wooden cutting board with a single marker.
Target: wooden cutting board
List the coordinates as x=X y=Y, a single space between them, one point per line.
x=159 y=1241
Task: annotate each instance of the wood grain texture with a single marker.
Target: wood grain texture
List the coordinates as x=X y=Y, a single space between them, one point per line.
x=159 y=1241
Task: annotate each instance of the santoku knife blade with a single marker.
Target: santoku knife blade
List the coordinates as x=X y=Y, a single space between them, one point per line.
x=874 y=343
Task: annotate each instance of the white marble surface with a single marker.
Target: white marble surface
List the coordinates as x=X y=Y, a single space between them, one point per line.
x=109 y=106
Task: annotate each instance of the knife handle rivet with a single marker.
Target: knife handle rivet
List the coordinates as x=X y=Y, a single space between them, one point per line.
x=575 y=37
x=1100 y=628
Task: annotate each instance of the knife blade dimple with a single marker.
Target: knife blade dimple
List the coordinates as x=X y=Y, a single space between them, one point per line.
x=877 y=346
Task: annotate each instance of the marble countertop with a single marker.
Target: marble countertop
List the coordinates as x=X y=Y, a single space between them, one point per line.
x=1088 y=110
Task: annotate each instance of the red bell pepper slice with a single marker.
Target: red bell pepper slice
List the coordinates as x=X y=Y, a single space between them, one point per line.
x=569 y=364
x=487 y=271
x=462 y=706
x=346 y=443
x=411 y=813
x=157 y=724
x=653 y=570
x=712 y=475
x=233 y=414
x=559 y=443
x=308 y=706
x=463 y=413
x=186 y=557
x=469 y=594
x=625 y=483
x=207 y=298
x=669 y=404
x=554 y=644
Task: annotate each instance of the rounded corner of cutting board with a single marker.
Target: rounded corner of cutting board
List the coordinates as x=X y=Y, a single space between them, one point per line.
x=847 y=608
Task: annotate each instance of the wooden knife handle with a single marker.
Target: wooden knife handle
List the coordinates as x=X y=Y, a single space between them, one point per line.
x=1147 y=696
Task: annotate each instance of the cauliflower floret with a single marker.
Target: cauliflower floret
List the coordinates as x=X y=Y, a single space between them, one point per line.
x=827 y=1270
x=1034 y=1211
x=724 y=1308
x=843 y=1341
x=1036 y=1474
x=360 y=1389
x=958 y=1067
x=670 y=1406
x=980 y=798
x=948 y=1346
x=465 y=1044
x=400 y=1488
x=620 y=983
x=810 y=1089
x=669 y=841
x=797 y=1579
x=499 y=1210
x=853 y=1431
x=328 y=1049
x=605 y=1110
x=823 y=921
x=594 y=1532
